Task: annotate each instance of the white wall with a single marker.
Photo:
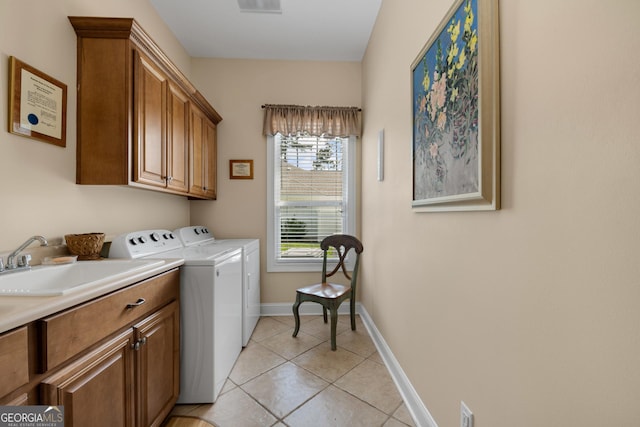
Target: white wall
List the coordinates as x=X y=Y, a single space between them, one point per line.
x=38 y=194
x=529 y=314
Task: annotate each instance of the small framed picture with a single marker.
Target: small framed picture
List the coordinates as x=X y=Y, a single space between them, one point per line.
x=38 y=104
x=241 y=169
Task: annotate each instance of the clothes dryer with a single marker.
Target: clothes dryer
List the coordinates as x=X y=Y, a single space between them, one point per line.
x=199 y=235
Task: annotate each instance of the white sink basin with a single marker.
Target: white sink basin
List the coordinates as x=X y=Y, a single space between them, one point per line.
x=51 y=280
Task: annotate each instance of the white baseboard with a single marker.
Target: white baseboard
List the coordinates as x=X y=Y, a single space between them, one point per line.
x=414 y=404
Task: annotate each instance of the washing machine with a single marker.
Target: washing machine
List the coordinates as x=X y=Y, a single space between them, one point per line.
x=211 y=282
x=198 y=235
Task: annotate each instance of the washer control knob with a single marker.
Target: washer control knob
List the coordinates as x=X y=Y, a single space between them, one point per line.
x=155 y=237
x=142 y=240
x=196 y=231
x=133 y=241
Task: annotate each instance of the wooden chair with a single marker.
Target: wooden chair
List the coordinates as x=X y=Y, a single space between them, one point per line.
x=331 y=295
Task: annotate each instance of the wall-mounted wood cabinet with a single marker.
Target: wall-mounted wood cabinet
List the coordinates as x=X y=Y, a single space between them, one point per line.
x=140 y=121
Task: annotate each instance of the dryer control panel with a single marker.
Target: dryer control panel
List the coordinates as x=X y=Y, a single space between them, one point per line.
x=194 y=235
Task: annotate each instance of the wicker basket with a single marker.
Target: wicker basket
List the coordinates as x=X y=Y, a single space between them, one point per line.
x=86 y=246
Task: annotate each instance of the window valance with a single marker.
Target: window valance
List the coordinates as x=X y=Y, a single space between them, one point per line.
x=317 y=121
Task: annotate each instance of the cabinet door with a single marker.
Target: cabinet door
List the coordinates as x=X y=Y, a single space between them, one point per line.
x=203 y=155
x=14 y=360
x=158 y=364
x=149 y=153
x=96 y=390
x=210 y=158
x=196 y=152
x=177 y=139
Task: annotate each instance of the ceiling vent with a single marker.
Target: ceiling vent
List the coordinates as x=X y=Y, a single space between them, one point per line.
x=260 y=6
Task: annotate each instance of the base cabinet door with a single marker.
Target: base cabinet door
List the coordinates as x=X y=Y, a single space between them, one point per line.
x=157 y=339
x=14 y=360
x=97 y=389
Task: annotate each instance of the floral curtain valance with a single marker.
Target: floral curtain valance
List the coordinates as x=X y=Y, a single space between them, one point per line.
x=297 y=119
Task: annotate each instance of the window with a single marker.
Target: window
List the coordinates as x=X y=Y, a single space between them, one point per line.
x=311 y=195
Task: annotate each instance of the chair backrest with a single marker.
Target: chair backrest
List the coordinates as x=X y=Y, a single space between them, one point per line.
x=342 y=243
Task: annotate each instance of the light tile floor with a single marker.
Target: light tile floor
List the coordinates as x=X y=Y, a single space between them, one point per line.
x=282 y=381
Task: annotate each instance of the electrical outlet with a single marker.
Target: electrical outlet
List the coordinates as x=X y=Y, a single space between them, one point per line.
x=466 y=416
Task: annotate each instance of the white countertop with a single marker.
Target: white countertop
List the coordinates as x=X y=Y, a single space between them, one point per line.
x=17 y=311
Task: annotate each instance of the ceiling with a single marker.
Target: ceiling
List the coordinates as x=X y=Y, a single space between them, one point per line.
x=311 y=30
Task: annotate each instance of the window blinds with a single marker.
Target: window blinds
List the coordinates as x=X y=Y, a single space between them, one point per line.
x=309 y=193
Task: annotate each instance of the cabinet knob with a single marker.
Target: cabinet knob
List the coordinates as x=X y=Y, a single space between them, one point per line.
x=136 y=345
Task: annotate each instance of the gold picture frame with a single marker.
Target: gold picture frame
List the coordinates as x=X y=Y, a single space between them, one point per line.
x=455 y=87
x=37 y=104
x=241 y=169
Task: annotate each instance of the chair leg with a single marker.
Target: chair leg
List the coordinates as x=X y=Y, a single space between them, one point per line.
x=353 y=314
x=324 y=313
x=296 y=315
x=334 y=324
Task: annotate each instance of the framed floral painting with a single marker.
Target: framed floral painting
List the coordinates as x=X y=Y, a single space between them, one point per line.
x=456 y=112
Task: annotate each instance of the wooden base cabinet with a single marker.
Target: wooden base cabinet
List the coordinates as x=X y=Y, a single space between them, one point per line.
x=131 y=380
x=96 y=390
x=111 y=361
x=134 y=109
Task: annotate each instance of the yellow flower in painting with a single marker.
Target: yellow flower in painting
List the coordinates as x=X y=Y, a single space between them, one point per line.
x=467 y=8
x=461 y=60
x=454 y=94
x=453 y=52
x=426 y=82
x=472 y=42
x=450 y=71
x=468 y=22
x=454 y=31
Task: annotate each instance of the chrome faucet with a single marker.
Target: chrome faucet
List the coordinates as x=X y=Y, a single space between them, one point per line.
x=24 y=260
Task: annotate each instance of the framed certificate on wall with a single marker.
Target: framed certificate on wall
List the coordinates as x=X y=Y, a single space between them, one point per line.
x=241 y=169
x=38 y=104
